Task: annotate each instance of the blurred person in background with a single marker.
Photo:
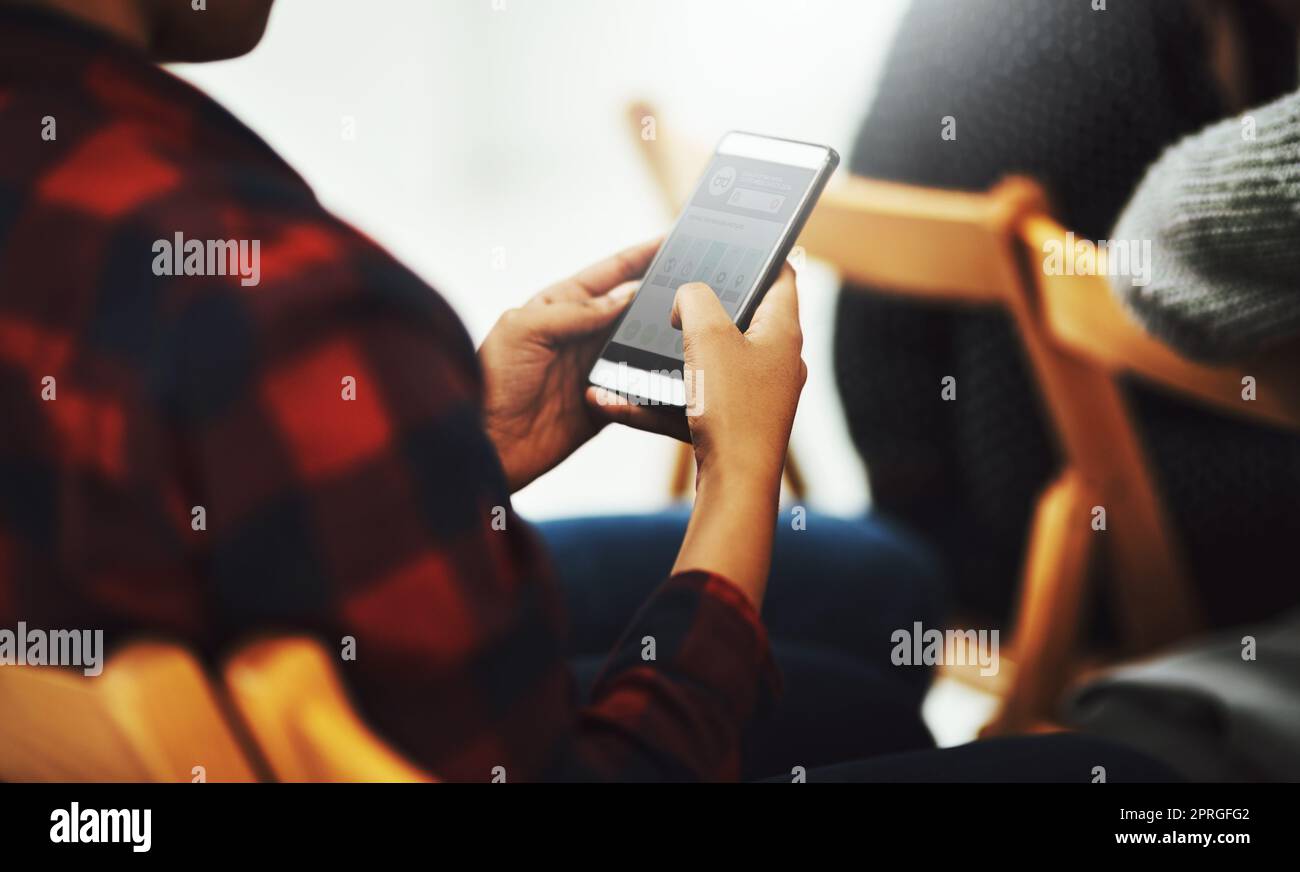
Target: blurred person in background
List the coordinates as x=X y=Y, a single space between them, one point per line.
x=1084 y=100
x=1222 y=208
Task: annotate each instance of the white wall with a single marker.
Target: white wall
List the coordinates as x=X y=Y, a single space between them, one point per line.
x=499 y=123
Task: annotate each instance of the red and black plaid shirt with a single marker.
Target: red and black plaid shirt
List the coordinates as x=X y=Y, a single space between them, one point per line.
x=368 y=517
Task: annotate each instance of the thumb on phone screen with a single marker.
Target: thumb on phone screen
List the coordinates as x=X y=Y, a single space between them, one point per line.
x=697 y=310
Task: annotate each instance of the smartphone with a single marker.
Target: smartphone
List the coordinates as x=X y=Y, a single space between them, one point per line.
x=735 y=233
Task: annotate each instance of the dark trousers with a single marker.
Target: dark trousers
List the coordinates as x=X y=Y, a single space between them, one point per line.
x=837 y=592
x=838 y=589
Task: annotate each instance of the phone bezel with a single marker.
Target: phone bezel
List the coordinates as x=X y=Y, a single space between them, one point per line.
x=660 y=375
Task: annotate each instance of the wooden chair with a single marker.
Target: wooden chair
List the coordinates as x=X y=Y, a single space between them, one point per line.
x=973 y=248
x=154 y=716
x=296 y=709
x=1081 y=343
x=150 y=716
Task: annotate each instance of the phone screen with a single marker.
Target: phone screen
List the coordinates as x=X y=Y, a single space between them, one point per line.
x=724 y=238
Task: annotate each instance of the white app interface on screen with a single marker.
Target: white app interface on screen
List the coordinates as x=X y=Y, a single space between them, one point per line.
x=729 y=229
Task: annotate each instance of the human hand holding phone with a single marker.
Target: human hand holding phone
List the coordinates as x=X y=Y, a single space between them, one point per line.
x=734 y=234
x=718 y=301
x=747 y=388
x=535 y=361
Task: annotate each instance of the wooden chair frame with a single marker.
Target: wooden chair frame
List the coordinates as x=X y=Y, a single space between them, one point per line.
x=150 y=716
x=153 y=716
x=296 y=710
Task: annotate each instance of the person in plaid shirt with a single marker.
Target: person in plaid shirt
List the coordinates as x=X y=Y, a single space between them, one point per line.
x=314 y=445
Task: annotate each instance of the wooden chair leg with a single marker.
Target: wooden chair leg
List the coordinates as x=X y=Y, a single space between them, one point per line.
x=1055 y=581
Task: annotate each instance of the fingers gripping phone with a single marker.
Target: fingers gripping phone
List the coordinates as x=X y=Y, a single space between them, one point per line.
x=735 y=233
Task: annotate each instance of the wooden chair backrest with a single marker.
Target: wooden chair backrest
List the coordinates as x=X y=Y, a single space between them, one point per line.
x=1083 y=316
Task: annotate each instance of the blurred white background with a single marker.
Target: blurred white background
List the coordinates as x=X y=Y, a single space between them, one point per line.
x=486 y=125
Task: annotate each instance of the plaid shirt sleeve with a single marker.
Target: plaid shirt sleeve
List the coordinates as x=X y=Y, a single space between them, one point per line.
x=350 y=488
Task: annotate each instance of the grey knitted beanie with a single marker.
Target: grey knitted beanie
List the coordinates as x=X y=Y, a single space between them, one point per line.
x=1222 y=210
